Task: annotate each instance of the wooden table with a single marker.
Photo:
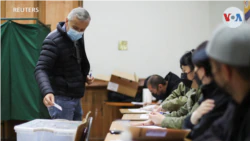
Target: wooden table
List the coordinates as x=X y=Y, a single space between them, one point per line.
x=122 y=104
x=112 y=137
x=103 y=112
x=117 y=125
x=136 y=117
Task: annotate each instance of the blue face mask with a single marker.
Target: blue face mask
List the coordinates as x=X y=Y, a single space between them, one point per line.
x=74 y=35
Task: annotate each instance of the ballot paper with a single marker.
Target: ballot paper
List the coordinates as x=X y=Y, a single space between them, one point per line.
x=150 y=126
x=58 y=106
x=137 y=103
x=144 y=116
x=166 y=113
x=159 y=102
x=138 y=111
x=148 y=107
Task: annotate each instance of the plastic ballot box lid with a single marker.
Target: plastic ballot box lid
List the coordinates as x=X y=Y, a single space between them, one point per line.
x=45 y=130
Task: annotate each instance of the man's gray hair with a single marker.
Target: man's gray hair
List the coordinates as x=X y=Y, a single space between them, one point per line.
x=80 y=14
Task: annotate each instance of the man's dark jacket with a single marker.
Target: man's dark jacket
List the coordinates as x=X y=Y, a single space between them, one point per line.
x=57 y=70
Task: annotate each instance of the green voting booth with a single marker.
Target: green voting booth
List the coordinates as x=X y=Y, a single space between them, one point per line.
x=20 y=48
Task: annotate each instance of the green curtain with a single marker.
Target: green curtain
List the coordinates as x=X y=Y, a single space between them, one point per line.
x=20 y=48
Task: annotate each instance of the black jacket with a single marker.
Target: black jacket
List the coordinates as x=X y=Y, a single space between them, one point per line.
x=241 y=121
x=57 y=70
x=219 y=130
x=210 y=91
x=233 y=126
x=173 y=82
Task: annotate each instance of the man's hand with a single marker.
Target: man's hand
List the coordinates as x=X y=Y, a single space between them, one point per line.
x=48 y=100
x=156 y=117
x=90 y=80
x=205 y=107
x=157 y=108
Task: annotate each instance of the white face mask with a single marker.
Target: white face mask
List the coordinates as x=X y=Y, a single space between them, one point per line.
x=74 y=35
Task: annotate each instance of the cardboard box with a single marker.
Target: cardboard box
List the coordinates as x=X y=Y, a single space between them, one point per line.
x=123 y=83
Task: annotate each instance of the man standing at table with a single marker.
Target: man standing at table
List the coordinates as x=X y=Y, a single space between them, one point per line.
x=62 y=68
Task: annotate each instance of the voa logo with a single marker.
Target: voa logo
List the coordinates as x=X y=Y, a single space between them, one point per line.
x=233 y=17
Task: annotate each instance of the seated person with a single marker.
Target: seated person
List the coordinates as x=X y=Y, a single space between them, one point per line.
x=175 y=119
x=161 y=87
x=178 y=97
x=229 y=55
x=214 y=101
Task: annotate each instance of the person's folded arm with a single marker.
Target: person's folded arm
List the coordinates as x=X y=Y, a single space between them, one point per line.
x=45 y=64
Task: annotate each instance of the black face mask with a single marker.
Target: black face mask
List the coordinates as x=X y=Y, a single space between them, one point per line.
x=187 y=83
x=184 y=76
x=198 y=81
x=185 y=80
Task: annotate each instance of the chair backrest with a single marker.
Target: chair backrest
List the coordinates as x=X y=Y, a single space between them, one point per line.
x=80 y=132
x=89 y=128
x=86 y=117
x=83 y=130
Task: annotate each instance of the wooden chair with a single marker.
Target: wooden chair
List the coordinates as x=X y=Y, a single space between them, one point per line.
x=83 y=130
x=89 y=128
x=86 y=117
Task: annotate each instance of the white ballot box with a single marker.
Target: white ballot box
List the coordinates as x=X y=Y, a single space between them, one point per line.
x=47 y=130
